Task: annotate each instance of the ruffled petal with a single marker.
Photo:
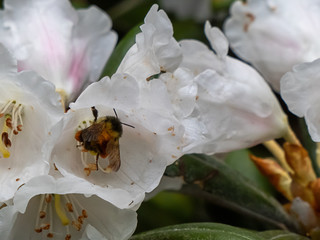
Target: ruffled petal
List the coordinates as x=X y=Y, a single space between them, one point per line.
x=155 y=49
x=298 y=89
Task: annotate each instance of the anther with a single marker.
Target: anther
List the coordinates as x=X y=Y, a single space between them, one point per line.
x=77 y=225
x=84 y=213
x=5 y=139
x=48 y=198
x=68 y=237
x=42 y=214
x=45 y=226
x=69 y=207
x=50 y=235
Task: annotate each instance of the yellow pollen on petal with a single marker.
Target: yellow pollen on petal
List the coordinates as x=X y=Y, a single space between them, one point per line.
x=60 y=211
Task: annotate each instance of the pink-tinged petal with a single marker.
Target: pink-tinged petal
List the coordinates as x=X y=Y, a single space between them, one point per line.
x=65 y=46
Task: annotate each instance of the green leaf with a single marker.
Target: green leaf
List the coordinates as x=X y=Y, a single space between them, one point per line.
x=215 y=181
x=197 y=231
x=281 y=235
x=120 y=51
x=241 y=162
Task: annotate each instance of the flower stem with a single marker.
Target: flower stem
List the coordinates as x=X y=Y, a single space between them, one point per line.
x=290 y=136
x=278 y=153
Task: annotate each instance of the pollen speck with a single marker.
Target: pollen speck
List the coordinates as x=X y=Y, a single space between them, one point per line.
x=171 y=129
x=173 y=156
x=17 y=179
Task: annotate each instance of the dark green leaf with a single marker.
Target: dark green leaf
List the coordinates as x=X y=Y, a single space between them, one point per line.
x=215 y=181
x=197 y=231
x=241 y=162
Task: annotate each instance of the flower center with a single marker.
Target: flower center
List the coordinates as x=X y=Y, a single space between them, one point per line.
x=66 y=207
x=11 y=115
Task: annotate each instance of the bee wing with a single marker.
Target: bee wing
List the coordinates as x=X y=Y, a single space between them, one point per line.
x=92 y=133
x=113 y=150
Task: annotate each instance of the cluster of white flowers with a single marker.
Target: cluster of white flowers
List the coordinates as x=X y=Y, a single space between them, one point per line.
x=83 y=173
x=280 y=39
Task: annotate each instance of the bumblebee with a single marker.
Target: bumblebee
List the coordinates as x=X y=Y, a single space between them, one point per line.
x=101 y=139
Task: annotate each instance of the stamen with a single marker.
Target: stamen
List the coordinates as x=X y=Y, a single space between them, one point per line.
x=50 y=234
x=4 y=109
x=37 y=228
x=12 y=125
x=75 y=223
x=60 y=211
x=68 y=235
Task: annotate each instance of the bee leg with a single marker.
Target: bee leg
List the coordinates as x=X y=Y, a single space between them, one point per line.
x=97 y=158
x=94 y=113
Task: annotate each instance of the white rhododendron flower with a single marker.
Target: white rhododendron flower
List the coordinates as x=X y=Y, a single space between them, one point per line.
x=65 y=46
x=130 y=144
x=274 y=35
x=155 y=50
x=222 y=103
x=200 y=10
x=29 y=107
x=63 y=209
x=234 y=108
x=299 y=89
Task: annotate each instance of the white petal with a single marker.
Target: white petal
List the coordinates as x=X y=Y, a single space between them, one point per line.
x=155 y=49
x=103 y=218
x=7 y=63
x=299 y=90
x=206 y=59
x=274 y=36
x=145 y=150
x=41 y=110
x=236 y=111
x=218 y=41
